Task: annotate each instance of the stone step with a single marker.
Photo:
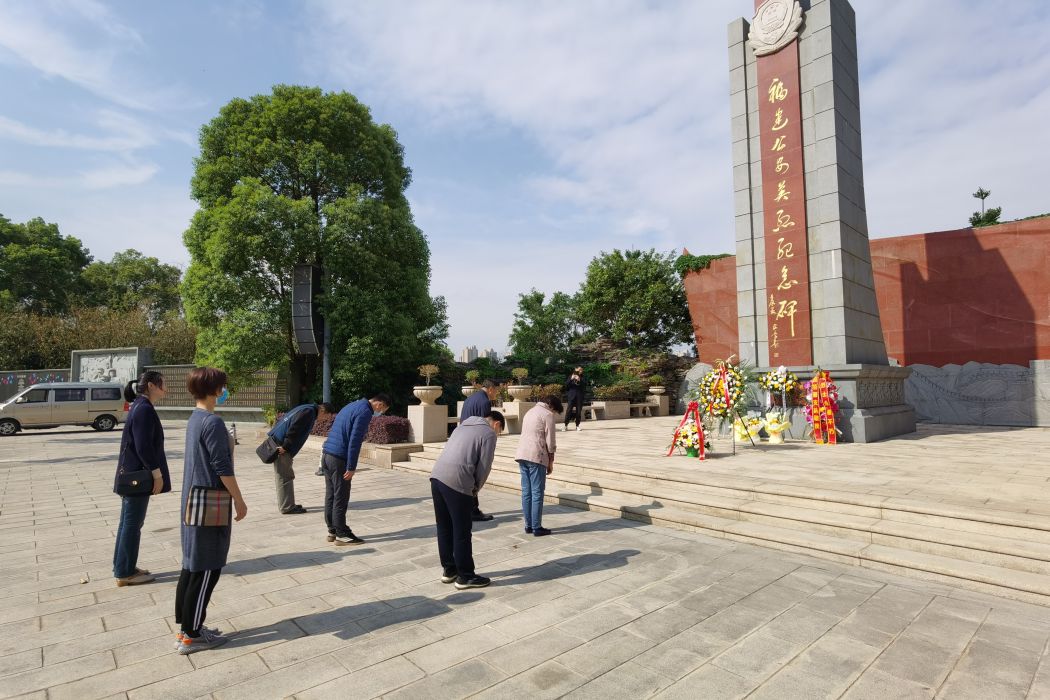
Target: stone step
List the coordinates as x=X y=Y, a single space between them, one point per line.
x=992 y=550
x=1029 y=527
x=988 y=578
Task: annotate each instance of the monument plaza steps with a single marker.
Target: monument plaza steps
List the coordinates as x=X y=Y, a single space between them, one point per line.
x=933 y=533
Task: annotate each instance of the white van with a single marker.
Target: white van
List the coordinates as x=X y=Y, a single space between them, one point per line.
x=50 y=405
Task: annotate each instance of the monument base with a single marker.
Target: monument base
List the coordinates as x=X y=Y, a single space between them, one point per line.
x=871 y=401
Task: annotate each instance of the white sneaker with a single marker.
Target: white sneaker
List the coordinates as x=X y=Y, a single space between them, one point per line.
x=578 y=428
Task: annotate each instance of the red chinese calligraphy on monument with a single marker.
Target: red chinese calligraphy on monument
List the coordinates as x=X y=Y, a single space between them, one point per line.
x=784 y=202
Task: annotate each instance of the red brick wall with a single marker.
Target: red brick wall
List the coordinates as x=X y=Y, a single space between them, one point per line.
x=712 y=304
x=947 y=297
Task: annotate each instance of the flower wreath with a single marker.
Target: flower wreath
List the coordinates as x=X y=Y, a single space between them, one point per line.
x=722 y=382
x=779 y=380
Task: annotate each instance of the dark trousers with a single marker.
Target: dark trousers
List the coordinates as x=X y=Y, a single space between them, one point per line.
x=476 y=507
x=574 y=404
x=129 y=534
x=192 y=595
x=452 y=513
x=336 y=496
x=284 y=475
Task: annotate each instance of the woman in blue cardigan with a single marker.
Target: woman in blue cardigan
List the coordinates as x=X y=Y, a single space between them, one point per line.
x=141 y=447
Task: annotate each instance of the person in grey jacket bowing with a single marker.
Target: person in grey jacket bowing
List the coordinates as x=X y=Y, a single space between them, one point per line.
x=459 y=473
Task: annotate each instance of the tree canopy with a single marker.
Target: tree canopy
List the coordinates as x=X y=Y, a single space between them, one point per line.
x=543 y=331
x=40 y=269
x=636 y=299
x=132 y=280
x=303 y=176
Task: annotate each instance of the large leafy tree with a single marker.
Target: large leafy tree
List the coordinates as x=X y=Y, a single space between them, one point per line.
x=132 y=280
x=543 y=331
x=636 y=299
x=303 y=176
x=39 y=267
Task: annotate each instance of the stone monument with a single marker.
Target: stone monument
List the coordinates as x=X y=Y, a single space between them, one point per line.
x=805 y=288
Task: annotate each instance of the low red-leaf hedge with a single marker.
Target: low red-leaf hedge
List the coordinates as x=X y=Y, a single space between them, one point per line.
x=382 y=430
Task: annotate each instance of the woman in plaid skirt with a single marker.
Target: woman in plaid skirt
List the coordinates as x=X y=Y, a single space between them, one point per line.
x=208 y=487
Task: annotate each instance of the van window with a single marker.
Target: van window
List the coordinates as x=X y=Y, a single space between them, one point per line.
x=35 y=396
x=70 y=395
x=107 y=394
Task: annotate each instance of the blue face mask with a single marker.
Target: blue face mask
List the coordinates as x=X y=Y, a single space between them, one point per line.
x=376 y=413
x=223 y=396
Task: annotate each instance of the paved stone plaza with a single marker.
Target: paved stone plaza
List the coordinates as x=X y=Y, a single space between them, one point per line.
x=604 y=608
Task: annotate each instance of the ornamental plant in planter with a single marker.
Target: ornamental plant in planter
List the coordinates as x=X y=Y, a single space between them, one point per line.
x=472 y=376
x=656 y=384
x=427 y=394
x=520 y=391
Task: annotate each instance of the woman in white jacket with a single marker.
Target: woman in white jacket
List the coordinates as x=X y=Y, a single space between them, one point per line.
x=535 y=457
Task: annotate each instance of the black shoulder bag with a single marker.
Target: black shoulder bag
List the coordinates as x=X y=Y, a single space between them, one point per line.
x=137 y=483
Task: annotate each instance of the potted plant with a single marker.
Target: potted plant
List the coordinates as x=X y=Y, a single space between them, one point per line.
x=519 y=391
x=472 y=376
x=656 y=385
x=427 y=394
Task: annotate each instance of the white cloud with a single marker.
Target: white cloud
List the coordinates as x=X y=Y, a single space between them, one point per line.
x=82 y=42
x=614 y=92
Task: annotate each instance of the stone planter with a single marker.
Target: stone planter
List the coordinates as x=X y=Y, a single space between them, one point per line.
x=468 y=390
x=427 y=395
x=657 y=390
x=520 y=392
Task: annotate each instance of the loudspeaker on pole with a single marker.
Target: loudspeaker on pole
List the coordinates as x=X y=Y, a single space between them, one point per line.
x=307 y=324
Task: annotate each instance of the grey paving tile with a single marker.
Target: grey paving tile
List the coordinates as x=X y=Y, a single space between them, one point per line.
x=708 y=682
x=548 y=680
x=369 y=682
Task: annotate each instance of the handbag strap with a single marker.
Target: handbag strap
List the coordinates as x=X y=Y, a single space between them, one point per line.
x=131 y=437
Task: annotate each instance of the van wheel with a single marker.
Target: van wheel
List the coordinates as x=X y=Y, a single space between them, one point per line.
x=104 y=423
x=8 y=427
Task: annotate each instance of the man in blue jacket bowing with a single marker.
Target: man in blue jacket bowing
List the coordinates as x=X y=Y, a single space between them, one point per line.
x=291 y=433
x=339 y=461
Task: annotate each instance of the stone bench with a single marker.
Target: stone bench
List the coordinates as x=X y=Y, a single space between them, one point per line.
x=593 y=412
x=641 y=409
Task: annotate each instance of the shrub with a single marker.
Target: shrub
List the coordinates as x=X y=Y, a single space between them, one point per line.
x=323 y=424
x=519 y=374
x=428 y=372
x=473 y=375
x=656 y=380
x=270 y=414
x=541 y=390
x=387 y=430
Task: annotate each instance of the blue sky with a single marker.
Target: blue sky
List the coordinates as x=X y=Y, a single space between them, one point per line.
x=539 y=133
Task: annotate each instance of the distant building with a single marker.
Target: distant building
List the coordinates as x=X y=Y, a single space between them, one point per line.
x=469 y=354
x=491 y=354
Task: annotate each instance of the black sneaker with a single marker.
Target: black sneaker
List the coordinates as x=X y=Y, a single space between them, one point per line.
x=528 y=531
x=481 y=517
x=449 y=575
x=350 y=539
x=464 y=582
x=319 y=472
x=540 y=532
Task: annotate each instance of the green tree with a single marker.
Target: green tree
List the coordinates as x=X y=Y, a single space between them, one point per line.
x=303 y=176
x=133 y=281
x=983 y=217
x=636 y=299
x=543 y=331
x=39 y=267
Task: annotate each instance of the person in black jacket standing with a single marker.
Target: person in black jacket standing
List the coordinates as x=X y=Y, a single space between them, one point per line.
x=141 y=447
x=574 y=388
x=291 y=433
